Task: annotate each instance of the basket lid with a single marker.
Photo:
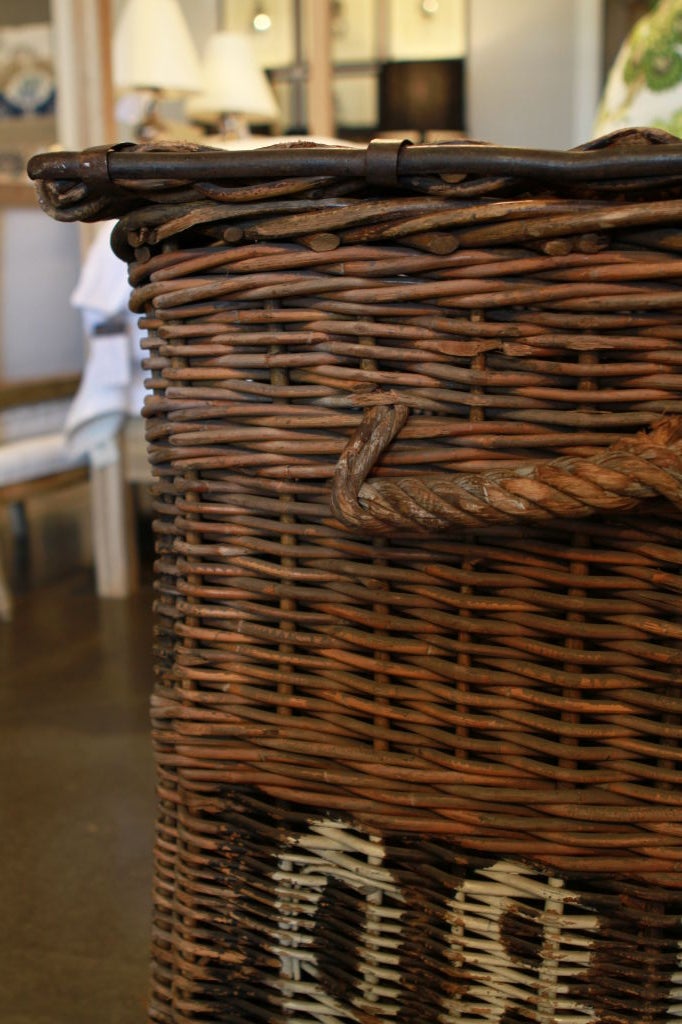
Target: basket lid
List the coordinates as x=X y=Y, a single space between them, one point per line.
x=108 y=181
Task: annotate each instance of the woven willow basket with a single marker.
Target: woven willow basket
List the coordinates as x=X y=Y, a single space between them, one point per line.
x=416 y=425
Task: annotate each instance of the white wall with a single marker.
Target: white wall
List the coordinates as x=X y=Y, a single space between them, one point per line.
x=533 y=71
x=39 y=265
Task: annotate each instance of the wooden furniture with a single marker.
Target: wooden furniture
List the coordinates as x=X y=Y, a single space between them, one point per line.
x=33 y=463
x=113 y=517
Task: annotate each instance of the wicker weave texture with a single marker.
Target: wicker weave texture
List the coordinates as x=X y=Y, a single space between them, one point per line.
x=514 y=686
x=418 y=713
x=290 y=919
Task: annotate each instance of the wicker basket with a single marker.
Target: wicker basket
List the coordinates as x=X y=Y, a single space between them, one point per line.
x=415 y=420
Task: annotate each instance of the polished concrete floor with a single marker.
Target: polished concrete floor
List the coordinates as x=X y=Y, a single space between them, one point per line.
x=76 y=803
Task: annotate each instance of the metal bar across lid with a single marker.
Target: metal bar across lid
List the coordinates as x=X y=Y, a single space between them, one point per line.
x=118 y=163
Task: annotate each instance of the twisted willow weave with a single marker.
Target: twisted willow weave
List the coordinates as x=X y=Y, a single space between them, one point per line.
x=415 y=422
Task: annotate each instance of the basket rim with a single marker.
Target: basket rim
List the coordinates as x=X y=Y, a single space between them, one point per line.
x=607 y=158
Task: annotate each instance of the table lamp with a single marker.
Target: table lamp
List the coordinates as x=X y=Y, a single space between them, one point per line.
x=154 y=55
x=236 y=92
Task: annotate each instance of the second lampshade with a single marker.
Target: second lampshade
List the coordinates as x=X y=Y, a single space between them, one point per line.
x=236 y=91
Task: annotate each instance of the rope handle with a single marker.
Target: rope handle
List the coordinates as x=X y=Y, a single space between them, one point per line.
x=614 y=480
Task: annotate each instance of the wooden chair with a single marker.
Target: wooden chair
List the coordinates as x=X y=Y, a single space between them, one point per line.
x=36 y=462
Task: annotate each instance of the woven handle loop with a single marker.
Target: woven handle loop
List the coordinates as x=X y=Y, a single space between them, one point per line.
x=614 y=480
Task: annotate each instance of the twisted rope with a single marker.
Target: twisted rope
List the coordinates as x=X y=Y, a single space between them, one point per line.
x=615 y=480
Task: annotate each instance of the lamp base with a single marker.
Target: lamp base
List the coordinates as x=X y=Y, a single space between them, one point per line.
x=233 y=126
x=138 y=112
x=139 y=109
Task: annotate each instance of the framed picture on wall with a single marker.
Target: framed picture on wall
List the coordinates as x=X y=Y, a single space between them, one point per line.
x=27 y=96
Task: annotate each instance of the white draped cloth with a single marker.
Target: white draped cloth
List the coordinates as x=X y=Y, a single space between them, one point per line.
x=112 y=385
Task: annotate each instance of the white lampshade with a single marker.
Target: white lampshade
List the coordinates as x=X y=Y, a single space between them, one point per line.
x=233 y=82
x=153 y=49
